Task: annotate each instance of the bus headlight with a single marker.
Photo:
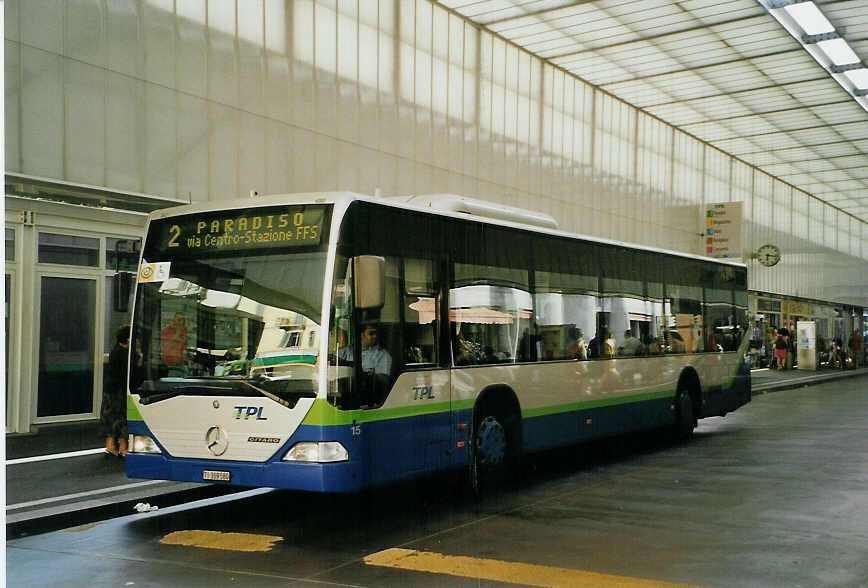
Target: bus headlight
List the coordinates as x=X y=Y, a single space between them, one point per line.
x=143 y=444
x=322 y=452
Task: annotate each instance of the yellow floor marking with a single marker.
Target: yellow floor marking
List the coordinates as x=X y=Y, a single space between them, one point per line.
x=217 y=540
x=503 y=571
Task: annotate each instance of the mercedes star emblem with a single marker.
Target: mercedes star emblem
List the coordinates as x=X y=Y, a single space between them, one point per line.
x=217 y=441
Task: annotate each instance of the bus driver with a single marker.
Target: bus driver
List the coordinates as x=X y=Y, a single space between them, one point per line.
x=376 y=364
x=375 y=358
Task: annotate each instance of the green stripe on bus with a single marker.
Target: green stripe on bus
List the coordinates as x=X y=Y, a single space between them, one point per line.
x=322 y=413
x=133 y=413
x=574 y=406
x=287 y=359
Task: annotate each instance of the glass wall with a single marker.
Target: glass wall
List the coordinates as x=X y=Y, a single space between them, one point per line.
x=65 y=299
x=10 y=300
x=7 y=285
x=208 y=100
x=68 y=249
x=66 y=351
x=10 y=245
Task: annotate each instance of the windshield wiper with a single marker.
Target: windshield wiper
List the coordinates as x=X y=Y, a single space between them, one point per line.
x=183 y=389
x=268 y=394
x=284 y=392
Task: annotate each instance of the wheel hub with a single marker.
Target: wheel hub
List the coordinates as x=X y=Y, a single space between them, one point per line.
x=491 y=442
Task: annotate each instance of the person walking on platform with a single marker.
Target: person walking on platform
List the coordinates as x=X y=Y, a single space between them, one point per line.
x=857 y=348
x=781 y=351
x=113 y=414
x=768 y=346
x=791 y=346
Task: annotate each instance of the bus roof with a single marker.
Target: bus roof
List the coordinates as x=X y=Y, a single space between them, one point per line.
x=398 y=202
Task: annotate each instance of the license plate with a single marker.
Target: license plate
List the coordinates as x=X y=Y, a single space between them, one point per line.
x=215 y=476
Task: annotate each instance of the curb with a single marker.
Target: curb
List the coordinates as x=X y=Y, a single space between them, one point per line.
x=806 y=381
x=34 y=522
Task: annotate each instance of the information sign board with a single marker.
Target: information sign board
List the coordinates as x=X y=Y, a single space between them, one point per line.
x=722 y=230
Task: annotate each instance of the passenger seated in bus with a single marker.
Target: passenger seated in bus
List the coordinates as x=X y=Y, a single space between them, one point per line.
x=419 y=344
x=526 y=344
x=594 y=347
x=631 y=346
x=466 y=352
x=489 y=355
x=414 y=354
x=602 y=346
x=577 y=348
x=676 y=342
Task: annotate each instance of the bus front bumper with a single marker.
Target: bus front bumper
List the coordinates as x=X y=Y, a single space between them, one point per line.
x=336 y=477
x=312 y=477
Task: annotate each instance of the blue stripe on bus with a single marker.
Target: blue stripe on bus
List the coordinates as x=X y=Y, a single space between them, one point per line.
x=546 y=432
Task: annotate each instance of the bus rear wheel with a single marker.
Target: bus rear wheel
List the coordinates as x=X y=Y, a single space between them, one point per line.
x=685 y=421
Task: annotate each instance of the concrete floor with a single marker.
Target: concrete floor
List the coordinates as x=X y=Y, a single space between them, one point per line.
x=774 y=494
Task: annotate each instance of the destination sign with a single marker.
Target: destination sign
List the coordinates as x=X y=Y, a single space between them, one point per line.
x=238 y=230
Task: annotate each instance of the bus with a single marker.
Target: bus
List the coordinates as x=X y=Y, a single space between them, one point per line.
x=484 y=334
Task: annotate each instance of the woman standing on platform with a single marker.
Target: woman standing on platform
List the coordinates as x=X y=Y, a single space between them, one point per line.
x=781 y=351
x=113 y=415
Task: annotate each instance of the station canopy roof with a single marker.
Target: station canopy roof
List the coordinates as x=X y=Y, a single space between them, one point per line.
x=742 y=75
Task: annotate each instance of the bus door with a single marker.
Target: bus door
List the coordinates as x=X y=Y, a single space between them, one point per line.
x=425 y=379
x=401 y=380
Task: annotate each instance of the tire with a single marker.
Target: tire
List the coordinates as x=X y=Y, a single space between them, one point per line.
x=490 y=454
x=685 y=419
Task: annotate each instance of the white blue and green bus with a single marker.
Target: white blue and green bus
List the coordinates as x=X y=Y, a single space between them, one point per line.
x=481 y=340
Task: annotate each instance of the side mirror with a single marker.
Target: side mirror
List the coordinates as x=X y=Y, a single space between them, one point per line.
x=369 y=281
x=123 y=289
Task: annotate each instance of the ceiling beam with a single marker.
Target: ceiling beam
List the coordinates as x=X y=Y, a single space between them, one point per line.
x=757 y=89
x=822 y=171
x=597 y=49
x=538 y=13
x=858 y=152
x=788 y=131
x=767 y=112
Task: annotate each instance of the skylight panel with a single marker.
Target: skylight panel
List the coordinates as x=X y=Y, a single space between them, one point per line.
x=810 y=18
x=858 y=77
x=838 y=51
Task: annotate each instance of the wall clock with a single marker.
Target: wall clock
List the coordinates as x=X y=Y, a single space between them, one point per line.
x=768 y=255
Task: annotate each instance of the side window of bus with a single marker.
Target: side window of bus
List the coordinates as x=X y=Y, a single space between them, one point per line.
x=420 y=313
x=740 y=312
x=722 y=328
x=655 y=342
x=490 y=315
x=628 y=316
x=566 y=307
x=388 y=317
x=685 y=319
x=380 y=342
x=407 y=322
x=725 y=310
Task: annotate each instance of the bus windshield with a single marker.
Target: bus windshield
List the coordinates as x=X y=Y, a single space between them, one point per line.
x=227 y=321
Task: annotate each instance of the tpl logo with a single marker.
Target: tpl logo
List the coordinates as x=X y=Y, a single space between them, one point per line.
x=246 y=412
x=421 y=392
